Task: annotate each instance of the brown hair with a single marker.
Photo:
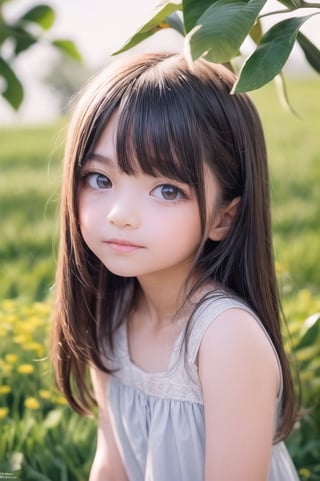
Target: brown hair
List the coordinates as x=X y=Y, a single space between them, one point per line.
x=174 y=118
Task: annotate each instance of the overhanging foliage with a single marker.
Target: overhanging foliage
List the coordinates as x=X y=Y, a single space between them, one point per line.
x=26 y=31
x=216 y=30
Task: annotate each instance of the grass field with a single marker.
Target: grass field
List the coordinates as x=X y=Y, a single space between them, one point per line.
x=40 y=437
x=294 y=155
x=29 y=191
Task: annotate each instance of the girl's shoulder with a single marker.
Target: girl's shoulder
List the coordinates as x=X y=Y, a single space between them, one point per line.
x=224 y=323
x=211 y=307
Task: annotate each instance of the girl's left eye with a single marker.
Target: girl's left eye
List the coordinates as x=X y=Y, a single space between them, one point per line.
x=168 y=192
x=98 y=181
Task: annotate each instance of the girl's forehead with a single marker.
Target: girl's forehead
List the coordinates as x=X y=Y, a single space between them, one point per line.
x=108 y=136
x=105 y=150
x=110 y=161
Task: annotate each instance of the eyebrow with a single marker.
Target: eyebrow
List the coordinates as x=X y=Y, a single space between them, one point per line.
x=99 y=158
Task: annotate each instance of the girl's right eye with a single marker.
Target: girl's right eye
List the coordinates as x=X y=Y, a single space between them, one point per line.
x=168 y=192
x=97 y=181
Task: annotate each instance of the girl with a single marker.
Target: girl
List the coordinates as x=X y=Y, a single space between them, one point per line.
x=165 y=284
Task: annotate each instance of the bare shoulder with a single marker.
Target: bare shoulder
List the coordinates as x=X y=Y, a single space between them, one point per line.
x=235 y=336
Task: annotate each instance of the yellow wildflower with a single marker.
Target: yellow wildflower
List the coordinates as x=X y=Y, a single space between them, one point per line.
x=32 y=403
x=44 y=394
x=3 y=412
x=20 y=339
x=8 y=305
x=4 y=367
x=11 y=358
x=26 y=310
x=280 y=268
x=32 y=323
x=305 y=472
x=12 y=319
x=305 y=297
x=5 y=389
x=42 y=308
x=61 y=400
x=33 y=346
x=26 y=368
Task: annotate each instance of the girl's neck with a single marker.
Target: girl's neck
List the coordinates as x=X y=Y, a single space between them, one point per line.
x=162 y=302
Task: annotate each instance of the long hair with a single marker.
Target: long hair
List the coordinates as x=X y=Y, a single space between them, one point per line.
x=173 y=120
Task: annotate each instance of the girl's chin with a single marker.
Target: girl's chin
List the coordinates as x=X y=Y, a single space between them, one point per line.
x=121 y=272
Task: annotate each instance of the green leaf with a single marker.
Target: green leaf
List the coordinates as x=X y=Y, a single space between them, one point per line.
x=256 y=31
x=68 y=48
x=156 y=23
x=311 y=52
x=283 y=93
x=312 y=334
x=13 y=90
x=43 y=15
x=221 y=30
x=270 y=56
x=4 y=31
x=292 y=4
x=23 y=39
x=192 y=11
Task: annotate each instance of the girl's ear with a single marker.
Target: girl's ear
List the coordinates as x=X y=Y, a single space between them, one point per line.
x=224 y=220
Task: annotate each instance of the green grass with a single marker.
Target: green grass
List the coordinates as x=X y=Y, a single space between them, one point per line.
x=29 y=192
x=294 y=156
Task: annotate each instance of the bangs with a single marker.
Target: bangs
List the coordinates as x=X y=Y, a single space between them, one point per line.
x=157 y=133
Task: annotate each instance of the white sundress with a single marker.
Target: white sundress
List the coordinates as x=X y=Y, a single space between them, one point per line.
x=158 y=418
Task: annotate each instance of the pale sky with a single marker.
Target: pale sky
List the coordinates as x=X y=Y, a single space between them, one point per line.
x=98 y=27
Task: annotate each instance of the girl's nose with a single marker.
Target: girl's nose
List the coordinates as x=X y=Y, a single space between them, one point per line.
x=123 y=215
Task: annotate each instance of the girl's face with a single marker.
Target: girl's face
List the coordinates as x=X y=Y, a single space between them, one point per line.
x=138 y=225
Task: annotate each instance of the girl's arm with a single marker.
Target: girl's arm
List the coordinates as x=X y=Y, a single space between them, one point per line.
x=107 y=464
x=240 y=378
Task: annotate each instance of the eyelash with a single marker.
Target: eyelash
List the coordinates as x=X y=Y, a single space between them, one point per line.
x=89 y=176
x=180 y=193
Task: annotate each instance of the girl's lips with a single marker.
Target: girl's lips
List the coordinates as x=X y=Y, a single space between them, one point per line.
x=122 y=246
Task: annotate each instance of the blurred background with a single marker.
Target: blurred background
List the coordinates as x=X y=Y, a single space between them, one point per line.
x=98 y=28
x=40 y=438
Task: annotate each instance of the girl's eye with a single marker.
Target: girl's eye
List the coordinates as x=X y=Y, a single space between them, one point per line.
x=168 y=192
x=98 y=181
